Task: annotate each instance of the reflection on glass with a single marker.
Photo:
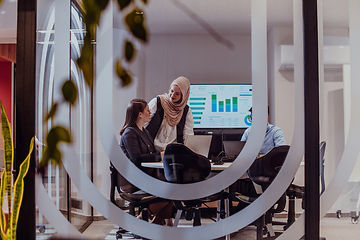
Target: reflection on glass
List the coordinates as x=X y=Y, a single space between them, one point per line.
x=78 y=118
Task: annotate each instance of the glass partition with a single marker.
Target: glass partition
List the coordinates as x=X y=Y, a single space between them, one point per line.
x=254 y=42
x=54 y=66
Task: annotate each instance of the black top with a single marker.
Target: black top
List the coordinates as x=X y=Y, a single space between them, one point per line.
x=138 y=146
x=156 y=120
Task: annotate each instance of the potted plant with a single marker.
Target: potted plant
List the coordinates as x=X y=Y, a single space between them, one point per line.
x=8 y=224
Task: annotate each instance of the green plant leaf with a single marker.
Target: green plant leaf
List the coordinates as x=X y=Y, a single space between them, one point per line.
x=92 y=12
x=8 y=154
x=129 y=51
x=122 y=74
x=58 y=134
x=2 y=195
x=19 y=191
x=2 y=215
x=102 y=3
x=123 y=3
x=145 y=1
x=135 y=22
x=51 y=155
x=86 y=66
x=69 y=91
x=52 y=112
x=85 y=62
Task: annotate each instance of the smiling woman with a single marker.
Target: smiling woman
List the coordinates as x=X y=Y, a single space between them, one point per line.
x=171 y=117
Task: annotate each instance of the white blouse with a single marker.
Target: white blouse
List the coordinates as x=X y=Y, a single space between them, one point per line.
x=167 y=133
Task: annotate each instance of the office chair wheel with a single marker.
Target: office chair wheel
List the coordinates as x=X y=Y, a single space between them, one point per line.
x=338 y=213
x=120 y=232
x=189 y=215
x=118 y=235
x=136 y=236
x=265 y=231
x=42 y=229
x=355 y=220
x=222 y=214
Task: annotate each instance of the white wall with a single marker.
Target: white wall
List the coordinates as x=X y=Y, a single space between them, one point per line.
x=203 y=60
x=198 y=57
x=280 y=83
x=281 y=100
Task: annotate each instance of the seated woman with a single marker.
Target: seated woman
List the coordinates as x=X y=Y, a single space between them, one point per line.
x=138 y=147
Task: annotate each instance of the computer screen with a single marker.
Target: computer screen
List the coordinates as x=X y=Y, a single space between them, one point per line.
x=220 y=105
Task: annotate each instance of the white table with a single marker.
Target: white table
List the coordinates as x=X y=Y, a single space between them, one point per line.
x=161 y=165
x=214 y=167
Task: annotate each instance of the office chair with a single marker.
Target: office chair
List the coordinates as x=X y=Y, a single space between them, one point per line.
x=261 y=173
x=131 y=194
x=296 y=191
x=183 y=166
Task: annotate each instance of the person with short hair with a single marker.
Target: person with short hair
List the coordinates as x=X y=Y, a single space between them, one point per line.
x=274 y=136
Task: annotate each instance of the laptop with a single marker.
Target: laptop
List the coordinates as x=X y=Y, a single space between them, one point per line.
x=233 y=148
x=199 y=144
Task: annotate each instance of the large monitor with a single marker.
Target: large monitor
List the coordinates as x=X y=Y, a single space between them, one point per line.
x=220 y=105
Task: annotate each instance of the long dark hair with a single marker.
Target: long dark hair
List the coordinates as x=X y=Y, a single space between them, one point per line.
x=136 y=106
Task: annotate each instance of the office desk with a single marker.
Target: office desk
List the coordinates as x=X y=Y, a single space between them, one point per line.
x=215 y=168
x=160 y=165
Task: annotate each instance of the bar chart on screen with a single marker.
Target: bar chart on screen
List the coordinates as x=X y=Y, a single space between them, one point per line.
x=221 y=105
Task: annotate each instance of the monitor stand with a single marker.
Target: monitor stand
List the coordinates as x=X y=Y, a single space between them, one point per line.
x=220 y=135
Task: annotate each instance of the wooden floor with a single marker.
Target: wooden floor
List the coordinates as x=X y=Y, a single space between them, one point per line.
x=331 y=229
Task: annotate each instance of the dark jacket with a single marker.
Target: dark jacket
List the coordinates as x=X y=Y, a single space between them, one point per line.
x=156 y=120
x=138 y=146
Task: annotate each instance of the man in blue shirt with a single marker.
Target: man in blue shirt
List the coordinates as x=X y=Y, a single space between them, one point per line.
x=274 y=137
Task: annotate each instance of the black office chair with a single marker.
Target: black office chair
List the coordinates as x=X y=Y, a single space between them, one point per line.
x=131 y=194
x=261 y=173
x=183 y=166
x=296 y=191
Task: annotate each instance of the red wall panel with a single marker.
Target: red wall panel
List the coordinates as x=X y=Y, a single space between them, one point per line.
x=5 y=87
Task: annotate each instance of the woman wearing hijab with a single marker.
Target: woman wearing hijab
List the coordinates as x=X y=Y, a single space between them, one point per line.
x=171 y=119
